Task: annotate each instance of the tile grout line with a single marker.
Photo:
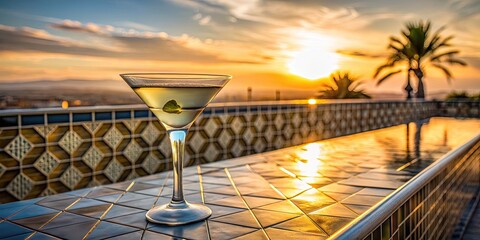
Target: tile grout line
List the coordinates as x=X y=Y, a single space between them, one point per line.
x=202 y=194
x=290 y=201
x=58 y=214
x=108 y=209
x=156 y=199
x=245 y=202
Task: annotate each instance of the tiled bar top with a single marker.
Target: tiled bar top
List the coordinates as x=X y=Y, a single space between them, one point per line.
x=304 y=192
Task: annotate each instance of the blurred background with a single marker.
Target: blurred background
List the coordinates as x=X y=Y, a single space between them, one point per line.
x=56 y=53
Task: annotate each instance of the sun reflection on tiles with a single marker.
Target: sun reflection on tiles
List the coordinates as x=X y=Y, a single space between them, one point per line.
x=307 y=159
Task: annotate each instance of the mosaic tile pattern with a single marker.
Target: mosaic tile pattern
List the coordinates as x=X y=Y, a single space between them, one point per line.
x=304 y=192
x=106 y=145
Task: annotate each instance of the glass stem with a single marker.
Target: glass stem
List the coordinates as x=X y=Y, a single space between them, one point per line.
x=177 y=140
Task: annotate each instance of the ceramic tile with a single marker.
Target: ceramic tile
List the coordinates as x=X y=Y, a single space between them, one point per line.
x=282 y=206
x=330 y=224
x=118 y=210
x=220 y=230
x=106 y=229
x=65 y=219
x=32 y=211
x=301 y=224
x=362 y=200
x=8 y=229
x=196 y=230
x=335 y=210
x=74 y=231
x=137 y=220
x=275 y=233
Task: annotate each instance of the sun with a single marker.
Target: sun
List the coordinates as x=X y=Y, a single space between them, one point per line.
x=314 y=59
x=312 y=63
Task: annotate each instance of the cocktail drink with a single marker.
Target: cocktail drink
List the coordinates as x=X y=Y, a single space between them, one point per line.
x=177 y=99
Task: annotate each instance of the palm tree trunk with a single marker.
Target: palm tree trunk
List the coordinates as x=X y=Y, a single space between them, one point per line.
x=421 y=88
x=408 y=87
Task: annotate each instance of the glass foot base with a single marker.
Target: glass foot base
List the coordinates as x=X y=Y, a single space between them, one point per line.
x=174 y=214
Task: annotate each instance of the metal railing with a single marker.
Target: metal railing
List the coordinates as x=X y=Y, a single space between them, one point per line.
x=369 y=225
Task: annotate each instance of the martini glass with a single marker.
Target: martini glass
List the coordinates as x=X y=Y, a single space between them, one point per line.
x=177 y=99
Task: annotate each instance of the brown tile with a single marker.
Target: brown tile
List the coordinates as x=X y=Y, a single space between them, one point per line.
x=290 y=192
x=220 y=230
x=312 y=200
x=138 y=186
x=338 y=196
x=362 y=182
x=338 y=188
x=301 y=224
x=228 y=190
x=148 y=235
x=289 y=183
x=375 y=192
x=330 y=224
x=134 y=235
x=130 y=196
x=335 y=210
x=196 y=230
x=244 y=218
x=282 y=206
x=359 y=209
x=102 y=191
x=60 y=205
x=66 y=218
x=257 y=235
x=335 y=174
x=269 y=218
x=94 y=211
x=210 y=197
x=316 y=182
x=281 y=234
x=270 y=193
x=35 y=222
x=85 y=202
x=234 y=201
x=218 y=211
x=254 y=202
x=362 y=200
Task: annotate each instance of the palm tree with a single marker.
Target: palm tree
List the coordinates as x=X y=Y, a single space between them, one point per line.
x=401 y=53
x=420 y=48
x=344 y=87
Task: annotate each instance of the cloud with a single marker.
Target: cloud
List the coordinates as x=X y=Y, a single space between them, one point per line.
x=357 y=53
x=201 y=19
x=79 y=27
x=135 y=25
x=204 y=20
x=116 y=43
x=280 y=13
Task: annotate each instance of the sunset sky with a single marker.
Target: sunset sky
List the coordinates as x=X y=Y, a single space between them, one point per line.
x=264 y=44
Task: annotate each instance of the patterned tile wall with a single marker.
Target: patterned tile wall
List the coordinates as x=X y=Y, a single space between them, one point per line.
x=48 y=152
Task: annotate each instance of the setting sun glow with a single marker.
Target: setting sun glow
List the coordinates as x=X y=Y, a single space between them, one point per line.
x=315 y=57
x=312 y=63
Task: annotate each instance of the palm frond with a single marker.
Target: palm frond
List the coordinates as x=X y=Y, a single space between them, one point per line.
x=444 y=70
x=453 y=61
x=440 y=55
x=387 y=76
